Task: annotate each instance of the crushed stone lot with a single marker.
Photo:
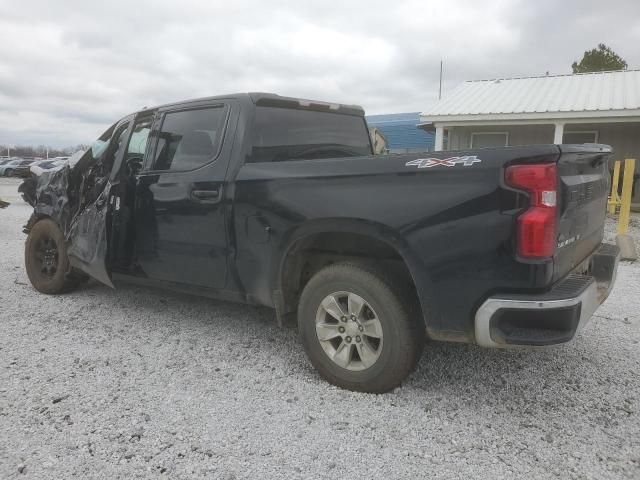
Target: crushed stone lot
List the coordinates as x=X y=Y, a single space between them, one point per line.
x=139 y=383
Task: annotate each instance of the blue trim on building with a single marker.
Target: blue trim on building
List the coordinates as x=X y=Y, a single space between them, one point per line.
x=401 y=131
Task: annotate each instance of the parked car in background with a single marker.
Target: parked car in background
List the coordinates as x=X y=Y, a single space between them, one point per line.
x=22 y=168
x=8 y=168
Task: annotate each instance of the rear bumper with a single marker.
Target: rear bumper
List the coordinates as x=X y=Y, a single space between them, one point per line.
x=549 y=318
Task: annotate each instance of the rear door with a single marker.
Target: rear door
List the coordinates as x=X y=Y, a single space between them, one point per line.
x=180 y=226
x=583 y=188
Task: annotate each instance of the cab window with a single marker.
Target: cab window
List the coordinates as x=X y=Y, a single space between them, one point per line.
x=189 y=139
x=281 y=134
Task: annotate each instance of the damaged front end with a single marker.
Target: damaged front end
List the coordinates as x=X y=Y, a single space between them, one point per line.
x=48 y=194
x=75 y=196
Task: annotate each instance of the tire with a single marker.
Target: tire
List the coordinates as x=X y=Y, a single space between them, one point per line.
x=8 y=172
x=389 y=358
x=46 y=261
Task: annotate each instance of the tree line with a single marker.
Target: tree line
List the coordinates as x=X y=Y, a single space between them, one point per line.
x=39 y=151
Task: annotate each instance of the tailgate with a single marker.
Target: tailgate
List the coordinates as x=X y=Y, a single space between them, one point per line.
x=583 y=187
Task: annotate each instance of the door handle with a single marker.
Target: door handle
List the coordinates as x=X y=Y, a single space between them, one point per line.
x=206 y=194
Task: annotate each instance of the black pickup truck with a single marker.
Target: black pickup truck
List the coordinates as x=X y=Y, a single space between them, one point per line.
x=279 y=201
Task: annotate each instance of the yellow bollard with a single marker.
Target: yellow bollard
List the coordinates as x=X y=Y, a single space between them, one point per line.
x=625 y=201
x=613 y=200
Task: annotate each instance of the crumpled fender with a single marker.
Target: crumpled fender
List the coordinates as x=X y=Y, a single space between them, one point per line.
x=82 y=218
x=87 y=239
x=47 y=193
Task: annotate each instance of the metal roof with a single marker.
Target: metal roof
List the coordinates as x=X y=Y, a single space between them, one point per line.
x=588 y=92
x=393 y=118
x=401 y=131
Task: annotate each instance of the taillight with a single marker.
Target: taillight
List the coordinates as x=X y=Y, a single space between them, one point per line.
x=536 y=226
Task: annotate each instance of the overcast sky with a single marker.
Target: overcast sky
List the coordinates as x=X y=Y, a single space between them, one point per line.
x=68 y=69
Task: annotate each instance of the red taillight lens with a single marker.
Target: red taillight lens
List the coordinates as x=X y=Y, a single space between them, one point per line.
x=536 y=226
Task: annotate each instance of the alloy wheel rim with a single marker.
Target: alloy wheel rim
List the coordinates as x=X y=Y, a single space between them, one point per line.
x=349 y=331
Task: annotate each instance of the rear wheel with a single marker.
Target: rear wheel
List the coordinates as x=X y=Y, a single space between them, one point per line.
x=356 y=330
x=46 y=259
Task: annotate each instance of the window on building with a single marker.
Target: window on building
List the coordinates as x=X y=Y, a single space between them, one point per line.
x=489 y=139
x=580 y=137
x=189 y=139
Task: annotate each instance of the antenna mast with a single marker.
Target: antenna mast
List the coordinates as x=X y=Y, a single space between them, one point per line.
x=440 y=89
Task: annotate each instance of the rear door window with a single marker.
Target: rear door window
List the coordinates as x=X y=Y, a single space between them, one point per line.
x=281 y=134
x=189 y=139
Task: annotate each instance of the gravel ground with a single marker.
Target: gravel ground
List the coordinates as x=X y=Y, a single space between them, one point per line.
x=136 y=383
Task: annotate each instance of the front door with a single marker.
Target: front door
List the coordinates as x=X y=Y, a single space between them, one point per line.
x=180 y=228
x=88 y=235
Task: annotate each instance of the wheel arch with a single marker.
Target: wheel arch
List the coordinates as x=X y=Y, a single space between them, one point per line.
x=35 y=217
x=322 y=242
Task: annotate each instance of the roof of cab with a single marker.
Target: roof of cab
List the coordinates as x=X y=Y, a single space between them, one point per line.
x=274 y=100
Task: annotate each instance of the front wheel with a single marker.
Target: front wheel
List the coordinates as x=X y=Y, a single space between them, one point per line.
x=356 y=330
x=46 y=261
x=8 y=172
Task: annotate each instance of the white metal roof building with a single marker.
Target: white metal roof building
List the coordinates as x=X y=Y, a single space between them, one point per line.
x=567 y=96
x=601 y=107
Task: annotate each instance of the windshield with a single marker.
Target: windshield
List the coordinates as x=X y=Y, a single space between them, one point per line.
x=87 y=158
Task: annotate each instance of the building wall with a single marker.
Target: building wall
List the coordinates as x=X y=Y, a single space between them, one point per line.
x=460 y=137
x=624 y=138
x=401 y=132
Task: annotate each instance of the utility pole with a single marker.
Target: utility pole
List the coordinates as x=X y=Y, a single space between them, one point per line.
x=440 y=89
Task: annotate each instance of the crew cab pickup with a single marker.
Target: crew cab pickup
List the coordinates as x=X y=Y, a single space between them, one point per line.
x=279 y=201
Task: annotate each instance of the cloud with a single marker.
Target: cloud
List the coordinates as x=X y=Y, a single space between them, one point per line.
x=68 y=68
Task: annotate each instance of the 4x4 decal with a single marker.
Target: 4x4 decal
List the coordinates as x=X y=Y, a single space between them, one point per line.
x=465 y=161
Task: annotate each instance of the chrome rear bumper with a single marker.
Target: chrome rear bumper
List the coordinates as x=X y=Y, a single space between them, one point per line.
x=549 y=318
